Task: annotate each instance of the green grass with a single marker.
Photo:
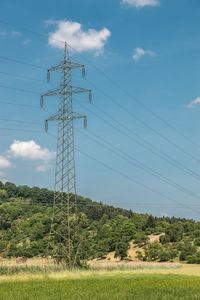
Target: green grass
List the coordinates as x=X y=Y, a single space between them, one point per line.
x=120 y=286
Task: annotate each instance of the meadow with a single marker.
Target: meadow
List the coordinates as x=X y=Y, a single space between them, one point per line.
x=140 y=283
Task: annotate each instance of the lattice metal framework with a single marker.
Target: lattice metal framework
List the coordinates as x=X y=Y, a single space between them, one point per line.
x=60 y=244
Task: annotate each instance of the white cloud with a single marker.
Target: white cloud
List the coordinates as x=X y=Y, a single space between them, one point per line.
x=43 y=168
x=30 y=150
x=4 y=162
x=77 y=37
x=139 y=53
x=141 y=3
x=193 y=103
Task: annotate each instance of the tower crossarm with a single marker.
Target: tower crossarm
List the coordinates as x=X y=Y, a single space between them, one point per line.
x=62 y=91
x=56 y=92
x=78 y=90
x=66 y=64
x=61 y=116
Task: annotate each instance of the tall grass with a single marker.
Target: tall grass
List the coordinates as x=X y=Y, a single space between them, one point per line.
x=12 y=270
x=53 y=268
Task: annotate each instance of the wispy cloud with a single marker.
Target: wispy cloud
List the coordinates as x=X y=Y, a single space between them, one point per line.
x=80 y=39
x=141 y=3
x=26 y=41
x=193 y=103
x=3 y=32
x=139 y=53
x=44 y=167
x=15 y=34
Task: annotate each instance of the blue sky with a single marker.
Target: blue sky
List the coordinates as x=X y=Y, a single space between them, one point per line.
x=151 y=49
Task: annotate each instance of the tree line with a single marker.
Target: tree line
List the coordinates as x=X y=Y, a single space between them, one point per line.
x=96 y=229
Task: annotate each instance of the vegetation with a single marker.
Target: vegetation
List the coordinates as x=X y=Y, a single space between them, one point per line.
x=104 y=287
x=97 y=229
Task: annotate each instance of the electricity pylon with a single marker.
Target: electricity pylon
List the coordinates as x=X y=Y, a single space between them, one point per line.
x=60 y=244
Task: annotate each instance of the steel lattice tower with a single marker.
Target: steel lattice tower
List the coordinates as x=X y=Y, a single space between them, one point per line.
x=60 y=244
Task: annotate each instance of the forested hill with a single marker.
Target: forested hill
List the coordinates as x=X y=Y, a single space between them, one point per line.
x=26 y=214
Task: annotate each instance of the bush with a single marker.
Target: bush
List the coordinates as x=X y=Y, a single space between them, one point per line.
x=141 y=238
x=164 y=255
x=187 y=250
x=139 y=255
x=192 y=259
x=164 y=239
x=174 y=232
x=197 y=242
x=152 y=251
x=198 y=257
x=121 y=249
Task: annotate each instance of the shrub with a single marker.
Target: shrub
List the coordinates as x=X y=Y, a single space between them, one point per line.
x=141 y=238
x=139 y=255
x=164 y=239
x=164 y=255
x=198 y=257
x=187 y=250
x=197 y=242
x=152 y=251
x=192 y=259
x=174 y=232
x=121 y=249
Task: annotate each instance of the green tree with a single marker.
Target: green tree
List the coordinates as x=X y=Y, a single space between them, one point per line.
x=121 y=249
x=128 y=230
x=174 y=232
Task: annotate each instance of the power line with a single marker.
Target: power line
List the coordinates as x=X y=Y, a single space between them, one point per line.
x=18 y=129
x=153 y=129
x=147 y=125
x=38 y=93
x=100 y=204
x=120 y=153
x=21 y=62
x=21 y=77
x=19 y=121
x=20 y=104
x=94 y=105
x=118 y=86
x=18 y=89
x=135 y=117
x=145 y=144
x=135 y=181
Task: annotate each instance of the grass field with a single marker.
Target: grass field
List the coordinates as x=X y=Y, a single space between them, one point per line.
x=121 y=286
x=138 y=284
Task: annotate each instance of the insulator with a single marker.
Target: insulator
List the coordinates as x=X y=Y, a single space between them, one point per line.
x=46 y=125
x=48 y=76
x=90 y=96
x=85 y=122
x=83 y=71
x=41 y=101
